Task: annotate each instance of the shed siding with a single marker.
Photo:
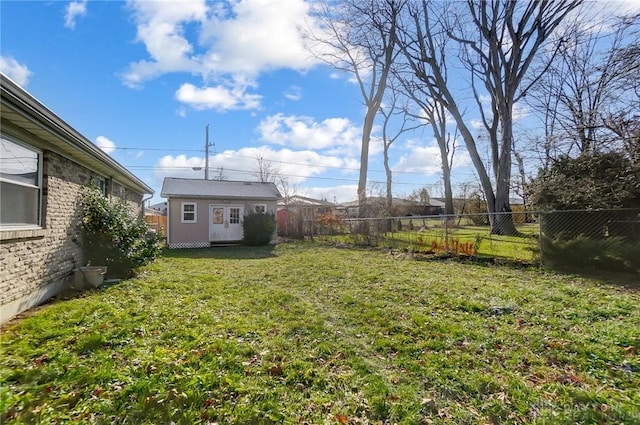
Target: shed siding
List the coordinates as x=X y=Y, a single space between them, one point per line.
x=196 y=235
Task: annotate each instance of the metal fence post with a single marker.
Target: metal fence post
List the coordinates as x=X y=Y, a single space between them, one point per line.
x=540 y=252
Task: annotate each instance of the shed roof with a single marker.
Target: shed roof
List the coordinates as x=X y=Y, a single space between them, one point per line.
x=219 y=189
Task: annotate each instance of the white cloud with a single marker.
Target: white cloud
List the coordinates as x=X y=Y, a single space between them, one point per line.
x=421 y=159
x=240 y=39
x=476 y=124
x=179 y=166
x=426 y=159
x=520 y=111
x=339 y=193
x=73 y=11
x=106 y=145
x=219 y=97
x=601 y=16
x=336 y=135
x=161 y=27
x=15 y=70
x=294 y=93
x=295 y=166
x=254 y=36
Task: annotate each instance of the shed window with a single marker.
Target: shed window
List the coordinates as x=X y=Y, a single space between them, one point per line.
x=260 y=208
x=189 y=212
x=234 y=215
x=20 y=184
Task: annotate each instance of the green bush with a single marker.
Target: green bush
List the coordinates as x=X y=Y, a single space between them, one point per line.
x=583 y=253
x=258 y=228
x=114 y=237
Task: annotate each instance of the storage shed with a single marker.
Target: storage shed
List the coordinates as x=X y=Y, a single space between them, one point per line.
x=203 y=213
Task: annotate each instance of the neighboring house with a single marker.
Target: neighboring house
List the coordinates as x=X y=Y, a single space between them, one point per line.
x=160 y=206
x=151 y=212
x=44 y=166
x=376 y=206
x=202 y=213
x=156 y=219
x=296 y=214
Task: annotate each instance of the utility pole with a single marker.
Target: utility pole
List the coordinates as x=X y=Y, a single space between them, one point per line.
x=206 y=155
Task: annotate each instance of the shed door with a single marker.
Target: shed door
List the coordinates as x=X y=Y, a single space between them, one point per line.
x=225 y=222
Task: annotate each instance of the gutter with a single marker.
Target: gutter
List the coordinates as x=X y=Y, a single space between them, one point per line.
x=30 y=108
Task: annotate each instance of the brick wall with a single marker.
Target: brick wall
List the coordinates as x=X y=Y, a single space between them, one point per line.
x=33 y=260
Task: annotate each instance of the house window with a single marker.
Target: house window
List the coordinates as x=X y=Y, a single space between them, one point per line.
x=260 y=208
x=189 y=212
x=20 y=184
x=234 y=215
x=101 y=184
x=120 y=192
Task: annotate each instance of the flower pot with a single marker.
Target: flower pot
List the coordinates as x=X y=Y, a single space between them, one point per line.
x=94 y=275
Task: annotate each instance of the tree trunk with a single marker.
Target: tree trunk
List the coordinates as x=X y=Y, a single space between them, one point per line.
x=485 y=181
x=364 y=160
x=387 y=169
x=502 y=222
x=448 y=193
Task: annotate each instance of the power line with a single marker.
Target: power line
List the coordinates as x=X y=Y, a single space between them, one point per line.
x=380 y=182
x=274 y=160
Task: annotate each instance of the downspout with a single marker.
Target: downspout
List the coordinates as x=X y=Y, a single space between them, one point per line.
x=168 y=221
x=143 y=201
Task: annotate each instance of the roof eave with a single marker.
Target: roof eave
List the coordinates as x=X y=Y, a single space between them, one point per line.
x=221 y=197
x=21 y=102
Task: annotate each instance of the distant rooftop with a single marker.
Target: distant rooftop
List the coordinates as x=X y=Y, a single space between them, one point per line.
x=305 y=201
x=372 y=200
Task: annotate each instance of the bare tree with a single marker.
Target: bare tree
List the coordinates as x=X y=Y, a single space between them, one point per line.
x=219 y=175
x=265 y=170
x=433 y=112
x=360 y=38
x=593 y=84
x=390 y=134
x=497 y=44
x=286 y=188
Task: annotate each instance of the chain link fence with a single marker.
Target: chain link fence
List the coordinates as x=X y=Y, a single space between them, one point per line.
x=600 y=240
x=571 y=240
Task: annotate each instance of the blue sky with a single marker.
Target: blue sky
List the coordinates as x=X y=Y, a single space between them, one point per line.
x=143 y=79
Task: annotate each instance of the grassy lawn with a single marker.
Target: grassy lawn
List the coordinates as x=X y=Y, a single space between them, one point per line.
x=313 y=334
x=523 y=247
x=427 y=232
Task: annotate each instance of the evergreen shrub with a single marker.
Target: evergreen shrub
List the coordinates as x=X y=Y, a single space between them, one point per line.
x=258 y=228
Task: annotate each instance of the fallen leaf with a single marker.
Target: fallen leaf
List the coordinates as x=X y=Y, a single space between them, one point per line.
x=568 y=378
x=40 y=360
x=275 y=370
